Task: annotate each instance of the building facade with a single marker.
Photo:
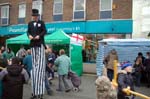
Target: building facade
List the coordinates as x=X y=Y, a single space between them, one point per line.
x=94 y=19
x=141 y=17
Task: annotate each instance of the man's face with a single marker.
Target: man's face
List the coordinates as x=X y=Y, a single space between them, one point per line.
x=35 y=18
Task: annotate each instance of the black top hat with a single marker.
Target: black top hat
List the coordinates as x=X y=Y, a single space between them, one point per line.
x=35 y=12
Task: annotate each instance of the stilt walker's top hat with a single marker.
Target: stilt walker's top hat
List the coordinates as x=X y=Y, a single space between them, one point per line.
x=35 y=12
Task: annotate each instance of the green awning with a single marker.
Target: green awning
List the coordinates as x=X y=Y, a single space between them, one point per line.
x=58 y=37
x=21 y=39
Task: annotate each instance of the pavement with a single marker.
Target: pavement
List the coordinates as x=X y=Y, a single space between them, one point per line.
x=87 y=90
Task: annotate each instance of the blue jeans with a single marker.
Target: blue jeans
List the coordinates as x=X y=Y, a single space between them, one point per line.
x=47 y=85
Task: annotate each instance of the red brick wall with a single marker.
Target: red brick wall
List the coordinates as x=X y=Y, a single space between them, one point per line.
x=123 y=9
x=14 y=11
x=28 y=10
x=67 y=10
x=92 y=9
x=48 y=10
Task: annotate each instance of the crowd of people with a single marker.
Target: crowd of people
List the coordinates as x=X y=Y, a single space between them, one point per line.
x=37 y=63
x=16 y=71
x=130 y=75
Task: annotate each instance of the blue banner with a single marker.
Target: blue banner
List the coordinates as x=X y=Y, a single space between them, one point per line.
x=110 y=26
x=83 y=27
x=14 y=29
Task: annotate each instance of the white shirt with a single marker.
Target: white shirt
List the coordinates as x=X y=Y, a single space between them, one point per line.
x=34 y=24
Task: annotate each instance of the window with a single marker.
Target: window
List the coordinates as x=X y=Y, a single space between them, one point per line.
x=79 y=10
x=105 y=9
x=22 y=13
x=57 y=10
x=5 y=14
x=37 y=4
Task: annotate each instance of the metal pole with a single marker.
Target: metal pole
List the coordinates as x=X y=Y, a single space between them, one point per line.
x=114 y=81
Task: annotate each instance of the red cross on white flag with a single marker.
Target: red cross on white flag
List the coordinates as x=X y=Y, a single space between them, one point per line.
x=76 y=38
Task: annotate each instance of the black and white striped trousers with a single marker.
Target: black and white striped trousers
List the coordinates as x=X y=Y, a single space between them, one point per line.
x=38 y=70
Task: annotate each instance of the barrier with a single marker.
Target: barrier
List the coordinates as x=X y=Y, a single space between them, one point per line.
x=114 y=81
x=128 y=91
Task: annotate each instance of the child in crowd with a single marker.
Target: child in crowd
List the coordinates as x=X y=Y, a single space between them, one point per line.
x=125 y=80
x=13 y=78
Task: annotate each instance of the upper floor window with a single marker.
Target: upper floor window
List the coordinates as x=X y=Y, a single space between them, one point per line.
x=79 y=9
x=105 y=9
x=38 y=4
x=5 y=14
x=57 y=10
x=22 y=13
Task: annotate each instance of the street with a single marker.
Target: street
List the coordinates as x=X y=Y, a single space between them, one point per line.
x=87 y=90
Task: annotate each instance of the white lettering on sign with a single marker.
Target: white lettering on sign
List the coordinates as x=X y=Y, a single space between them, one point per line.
x=22 y=29
x=70 y=29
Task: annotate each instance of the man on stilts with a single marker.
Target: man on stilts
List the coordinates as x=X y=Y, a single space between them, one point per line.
x=36 y=32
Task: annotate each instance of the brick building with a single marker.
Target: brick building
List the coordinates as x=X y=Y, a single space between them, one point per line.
x=94 y=19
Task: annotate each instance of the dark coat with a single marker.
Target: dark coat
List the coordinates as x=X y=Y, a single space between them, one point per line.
x=124 y=80
x=147 y=65
x=138 y=68
x=13 y=83
x=51 y=58
x=40 y=30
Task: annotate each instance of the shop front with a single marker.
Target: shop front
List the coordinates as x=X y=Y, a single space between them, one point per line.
x=91 y=30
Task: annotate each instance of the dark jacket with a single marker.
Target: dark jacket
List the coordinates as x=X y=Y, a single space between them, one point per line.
x=147 y=65
x=124 y=80
x=40 y=30
x=13 y=79
x=27 y=61
x=138 y=68
x=51 y=58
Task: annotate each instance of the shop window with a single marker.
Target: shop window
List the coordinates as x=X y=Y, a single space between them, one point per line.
x=79 y=10
x=89 y=51
x=4 y=14
x=58 y=10
x=38 y=4
x=22 y=13
x=105 y=9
